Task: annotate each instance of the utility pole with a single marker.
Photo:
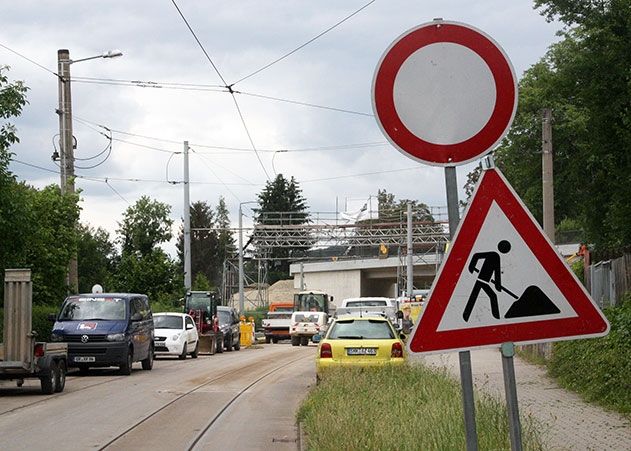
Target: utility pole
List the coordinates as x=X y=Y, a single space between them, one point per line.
x=547 y=162
x=241 y=284
x=187 y=222
x=410 y=263
x=66 y=148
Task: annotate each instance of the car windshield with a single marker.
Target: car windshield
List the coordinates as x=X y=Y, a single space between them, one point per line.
x=93 y=308
x=366 y=303
x=307 y=318
x=279 y=315
x=199 y=302
x=359 y=329
x=224 y=317
x=284 y=309
x=168 y=322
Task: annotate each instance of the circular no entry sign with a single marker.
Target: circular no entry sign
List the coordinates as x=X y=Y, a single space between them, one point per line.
x=444 y=93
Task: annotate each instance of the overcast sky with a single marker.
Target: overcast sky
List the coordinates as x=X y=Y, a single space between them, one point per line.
x=351 y=160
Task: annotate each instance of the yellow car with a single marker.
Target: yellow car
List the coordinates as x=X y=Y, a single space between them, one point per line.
x=360 y=341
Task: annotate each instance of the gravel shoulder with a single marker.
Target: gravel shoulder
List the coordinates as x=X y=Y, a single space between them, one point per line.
x=568 y=422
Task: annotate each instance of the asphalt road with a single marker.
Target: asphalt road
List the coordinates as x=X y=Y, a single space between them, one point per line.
x=237 y=400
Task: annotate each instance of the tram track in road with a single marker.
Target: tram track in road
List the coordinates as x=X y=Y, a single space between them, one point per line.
x=69 y=379
x=181 y=400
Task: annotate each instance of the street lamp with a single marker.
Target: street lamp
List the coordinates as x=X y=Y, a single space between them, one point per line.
x=66 y=140
x=241 y=287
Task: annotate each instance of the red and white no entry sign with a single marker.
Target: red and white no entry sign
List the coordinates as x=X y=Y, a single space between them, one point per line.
x=444 y=93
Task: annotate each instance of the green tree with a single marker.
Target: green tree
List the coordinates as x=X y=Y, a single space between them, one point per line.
x=36 y=226
x=204 y=242
x=281 y=203
x=96 y=256
x=585 y=80
x=226 y=244
x=145 y=225
x=144 y=267
x=14 y=217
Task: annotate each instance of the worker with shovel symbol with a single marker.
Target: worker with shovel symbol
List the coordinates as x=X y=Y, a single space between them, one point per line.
x=489 y=273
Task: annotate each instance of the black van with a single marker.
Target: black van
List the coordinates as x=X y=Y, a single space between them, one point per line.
x=106 y=329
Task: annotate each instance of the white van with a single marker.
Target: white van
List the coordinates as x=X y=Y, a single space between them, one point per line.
x=367 y=306
x=304 y=325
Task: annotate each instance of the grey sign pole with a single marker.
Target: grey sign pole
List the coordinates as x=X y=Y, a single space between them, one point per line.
x=466 y=377
x=510 y=387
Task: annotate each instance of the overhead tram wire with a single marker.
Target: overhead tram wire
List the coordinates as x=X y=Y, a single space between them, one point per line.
x=218 y=178
x=303 y=45
x=227 y=86
x=312 y=105
x=30 y=60
x=238 y=149
x=213 y=88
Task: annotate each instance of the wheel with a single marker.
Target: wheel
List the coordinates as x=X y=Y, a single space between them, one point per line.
x=182 y=356
x=275 y=340
x=220 y=343
x=147 y=363
x=125 y=368
x=61 y=376
x=268 y=340
x=195 y=353
x=228 y=344
x=295 y=340
x=304 y=341
x=20 y=382
x=237 y=344
x=49 y=380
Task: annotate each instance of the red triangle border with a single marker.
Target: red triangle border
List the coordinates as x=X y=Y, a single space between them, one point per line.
x=589 y=322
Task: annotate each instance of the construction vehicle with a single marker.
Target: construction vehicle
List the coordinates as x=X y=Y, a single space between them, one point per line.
x=305 y=323
x=276 y=325
x=21 y=356
x=202 y=306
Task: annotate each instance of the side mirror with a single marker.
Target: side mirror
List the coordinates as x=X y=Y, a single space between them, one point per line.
x=402 y=336
x=189 y=326
x=399 y=314
x=52 y=317
x=136 y=317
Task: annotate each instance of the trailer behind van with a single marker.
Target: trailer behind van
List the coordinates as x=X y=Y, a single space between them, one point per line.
x=21 y=355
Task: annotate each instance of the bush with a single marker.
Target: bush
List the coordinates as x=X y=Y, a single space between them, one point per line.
x=599 y=369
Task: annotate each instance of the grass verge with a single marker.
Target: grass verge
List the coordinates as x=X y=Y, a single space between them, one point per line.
x=599 y=369
x=408 y=408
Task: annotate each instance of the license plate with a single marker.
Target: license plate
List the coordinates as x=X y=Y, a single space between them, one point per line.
x=361 y=351
x=84 y=359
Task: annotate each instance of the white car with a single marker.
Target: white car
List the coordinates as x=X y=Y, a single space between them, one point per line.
x=175 y=334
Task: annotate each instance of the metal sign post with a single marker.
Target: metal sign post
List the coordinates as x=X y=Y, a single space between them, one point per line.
x=510 y=387
x=466 y=377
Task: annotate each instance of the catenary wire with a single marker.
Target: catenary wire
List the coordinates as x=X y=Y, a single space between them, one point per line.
x=303 y=45
x=247 y=131
x=243 y=149
x=312 y=105
x=150 y=84
x=218 y=178
x=30 y=60
x=199 y=43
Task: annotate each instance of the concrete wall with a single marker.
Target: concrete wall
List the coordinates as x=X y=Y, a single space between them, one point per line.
x=339 y=284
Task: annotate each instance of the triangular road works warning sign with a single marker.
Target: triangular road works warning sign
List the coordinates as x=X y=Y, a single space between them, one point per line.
x=503 y=281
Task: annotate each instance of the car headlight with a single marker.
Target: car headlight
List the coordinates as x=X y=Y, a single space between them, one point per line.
x=56 y=337
x=175 y=337
x=116 y=337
